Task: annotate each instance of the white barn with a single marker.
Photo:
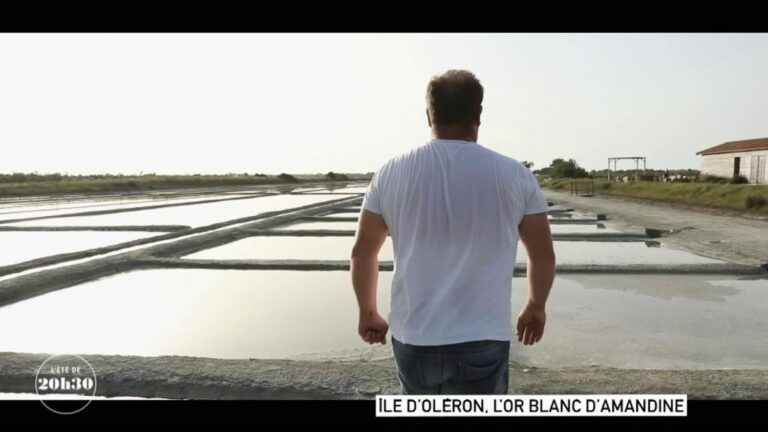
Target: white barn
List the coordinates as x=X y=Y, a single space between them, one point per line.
x=746 y=158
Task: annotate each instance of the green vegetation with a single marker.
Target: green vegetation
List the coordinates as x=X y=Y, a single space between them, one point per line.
x=686 y=187
x=721 y=195
x=22 y=184
x=336 y=176
x=674 y=175
x=287 y=178
x=561 y=168
x=724 y=180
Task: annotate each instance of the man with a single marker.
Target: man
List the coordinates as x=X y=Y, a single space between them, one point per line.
x=455 y=211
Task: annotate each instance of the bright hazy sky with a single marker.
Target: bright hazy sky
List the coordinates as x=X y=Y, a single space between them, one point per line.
x=305 y=103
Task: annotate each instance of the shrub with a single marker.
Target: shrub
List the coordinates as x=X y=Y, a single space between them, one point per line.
x=561 y=168
x=755 y=201
x=739 y=179
x=287 y=178
x=333 y=176
x=603 y=186
x=713 y=179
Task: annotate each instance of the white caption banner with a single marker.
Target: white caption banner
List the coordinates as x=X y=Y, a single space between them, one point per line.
x=532 y=405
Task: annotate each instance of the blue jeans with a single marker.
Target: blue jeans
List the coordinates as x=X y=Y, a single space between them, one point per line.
x=477 y=367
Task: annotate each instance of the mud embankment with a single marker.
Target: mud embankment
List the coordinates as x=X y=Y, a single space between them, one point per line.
x=205 y=378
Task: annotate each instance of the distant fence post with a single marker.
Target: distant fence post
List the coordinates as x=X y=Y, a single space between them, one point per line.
x=588 y=189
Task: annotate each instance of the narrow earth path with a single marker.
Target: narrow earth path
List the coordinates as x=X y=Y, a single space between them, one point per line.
x=712 y=234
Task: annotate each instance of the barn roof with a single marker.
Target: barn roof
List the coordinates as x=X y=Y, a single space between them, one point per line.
x=737 y=146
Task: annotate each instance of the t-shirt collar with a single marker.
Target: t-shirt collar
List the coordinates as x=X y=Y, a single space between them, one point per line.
x=451 y=141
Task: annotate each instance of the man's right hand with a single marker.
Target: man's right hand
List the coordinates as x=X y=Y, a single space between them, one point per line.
x=372 y=328
x=537 y=238
x=530 y=324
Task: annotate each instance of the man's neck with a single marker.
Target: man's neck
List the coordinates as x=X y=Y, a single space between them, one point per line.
x=460 y=134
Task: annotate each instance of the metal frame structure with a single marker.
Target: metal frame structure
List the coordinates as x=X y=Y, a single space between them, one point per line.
x=637 y=160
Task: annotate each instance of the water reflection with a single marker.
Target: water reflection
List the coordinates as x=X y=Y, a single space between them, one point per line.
x=352 y=189
x=704 y=288
x=578 y=229
x=331 y=187
x=20 y=246
x=610 y=320
x=82 y=206
x=581 y=229
x=224 y=314
x=321 y=225
x=194 y=215
x=307 y=248
x=602 y=320
x=618 y=253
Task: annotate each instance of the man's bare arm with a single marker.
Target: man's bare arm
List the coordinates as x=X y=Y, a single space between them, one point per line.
x=364 y=265
x=537 y=239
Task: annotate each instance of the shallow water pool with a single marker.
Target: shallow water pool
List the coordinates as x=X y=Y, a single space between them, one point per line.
x=617 y=254
x=193 y=215
x=666 y=321
x=306 y=248
x=19 y=246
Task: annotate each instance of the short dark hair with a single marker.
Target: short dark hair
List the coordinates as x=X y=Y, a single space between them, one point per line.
x=454 y=98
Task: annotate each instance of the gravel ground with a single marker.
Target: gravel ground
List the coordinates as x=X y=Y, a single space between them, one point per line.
x=712 y=233
x=204 y=378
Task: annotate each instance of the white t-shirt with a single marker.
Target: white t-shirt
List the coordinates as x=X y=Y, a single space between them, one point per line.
x=453 y=209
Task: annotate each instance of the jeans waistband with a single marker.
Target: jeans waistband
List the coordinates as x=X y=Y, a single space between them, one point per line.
x=471 y=346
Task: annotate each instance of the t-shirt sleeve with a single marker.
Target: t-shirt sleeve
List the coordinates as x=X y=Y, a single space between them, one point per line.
x=534 y=200
x=372 y=198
